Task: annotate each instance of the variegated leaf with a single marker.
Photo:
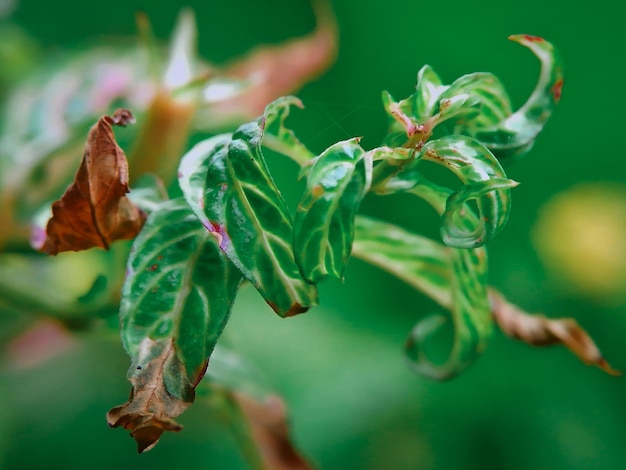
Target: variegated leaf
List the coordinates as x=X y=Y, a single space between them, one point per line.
x=175 y=303
x=516 y=134
x=456 y=279
x=227 y=183
x=337 y=181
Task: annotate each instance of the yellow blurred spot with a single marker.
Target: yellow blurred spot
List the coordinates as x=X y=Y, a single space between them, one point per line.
x=580 y=235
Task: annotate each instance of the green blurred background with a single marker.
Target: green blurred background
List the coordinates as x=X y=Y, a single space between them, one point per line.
x=354 y=404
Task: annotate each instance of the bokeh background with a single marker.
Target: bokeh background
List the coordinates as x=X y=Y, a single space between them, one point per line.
x=354 y=404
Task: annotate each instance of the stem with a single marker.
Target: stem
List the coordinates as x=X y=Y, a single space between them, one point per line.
x=163 y=138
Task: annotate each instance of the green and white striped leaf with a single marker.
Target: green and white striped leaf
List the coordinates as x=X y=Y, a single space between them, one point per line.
x=278 y=137
x=483 y=178
x=227 y=183
x=417 y=108
x=478 y=106
x=484 y=181
x=455 y=279
x=515 y=135
x=179 y=287
x=176 y=300
x=419 y=261
x=473 y=101
x=337 y=181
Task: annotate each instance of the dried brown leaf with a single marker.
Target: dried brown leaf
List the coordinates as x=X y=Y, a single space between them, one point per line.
x=538 y=330
x=94 y=211
x=267 y=420
x=278 y=70
x=151 y=407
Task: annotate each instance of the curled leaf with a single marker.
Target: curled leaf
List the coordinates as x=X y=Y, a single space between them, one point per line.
x=337 y=181
x=516 y=134
x=473 y=101
x=456 y=279
x=267 y=422
x=94 y=211
x=278 y=137
x=484 y=181
x=538 y=330
x=151 y=407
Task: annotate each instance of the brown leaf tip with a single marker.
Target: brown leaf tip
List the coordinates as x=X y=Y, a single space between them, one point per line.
x=538 y=330
x=122 y=117
x=145 y=428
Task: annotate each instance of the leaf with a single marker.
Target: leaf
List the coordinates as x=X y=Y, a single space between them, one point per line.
x=228 y=185
x=94 y=211
x=274 y=71
x=516 y=134
x=257 y=416
x=45 y=119
x=477 y=105
x=473 y=101
x=428 y=90
x=151 y=407
x=267 y=422
x=419 y=261
x=278 y=137
x=175 y=302
x=337 y=181
x=483 y=178
x=413 y=110
x=538 y=330
x=456 y=279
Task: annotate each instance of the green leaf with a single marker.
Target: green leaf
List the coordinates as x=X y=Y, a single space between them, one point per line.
x=278 y=137
x=477 y=105
x=176 y=301
x=337 y=181
x=179 y=286
x=406 y=115
x=228 y=185
x=516 y=134
x=428 y=90
x=456 y=279
x=473 y=101
x=419 y=261
x=483 y=178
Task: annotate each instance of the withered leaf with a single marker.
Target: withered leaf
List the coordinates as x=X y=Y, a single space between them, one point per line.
x=267 y=420
x=94 y=210
x=152 y=406
x=278 y=70
x=538 y=330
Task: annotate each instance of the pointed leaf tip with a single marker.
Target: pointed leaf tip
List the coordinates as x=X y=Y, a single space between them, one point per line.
x=538 y=330
x=94 y=211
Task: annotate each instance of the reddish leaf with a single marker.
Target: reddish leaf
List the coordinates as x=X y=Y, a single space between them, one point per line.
x=94 y=211
x=279 y=70
x=538 y=330
x=152 y=405
x=267 y=420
